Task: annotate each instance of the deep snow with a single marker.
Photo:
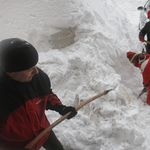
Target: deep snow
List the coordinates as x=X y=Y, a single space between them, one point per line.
x=86 y=57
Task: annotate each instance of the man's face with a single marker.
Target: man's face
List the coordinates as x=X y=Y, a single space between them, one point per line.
x=23 y=76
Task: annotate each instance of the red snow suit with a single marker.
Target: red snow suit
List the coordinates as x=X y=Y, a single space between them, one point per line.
x=145 y=69
x=22 y=110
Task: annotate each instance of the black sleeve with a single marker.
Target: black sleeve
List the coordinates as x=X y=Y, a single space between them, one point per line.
x=143 y=31
x=57 y=107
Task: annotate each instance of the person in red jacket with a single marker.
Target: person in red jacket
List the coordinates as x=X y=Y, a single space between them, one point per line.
x=25 y=94
x=142 y=61
x=146 y=31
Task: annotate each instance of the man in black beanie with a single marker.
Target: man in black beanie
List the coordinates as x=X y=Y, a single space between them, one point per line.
x=25 y=94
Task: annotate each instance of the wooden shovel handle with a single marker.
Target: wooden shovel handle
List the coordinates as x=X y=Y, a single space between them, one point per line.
x=147 y=42
x=48 y=129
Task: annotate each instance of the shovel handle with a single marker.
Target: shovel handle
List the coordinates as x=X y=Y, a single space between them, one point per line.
x=142 y=92
x=147 y=42
x=48 y=129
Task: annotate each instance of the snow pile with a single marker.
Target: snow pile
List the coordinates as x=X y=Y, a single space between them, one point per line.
x=82 y=46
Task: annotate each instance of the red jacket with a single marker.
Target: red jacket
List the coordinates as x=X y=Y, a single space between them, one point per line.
x=145 y=69
x=22 y=110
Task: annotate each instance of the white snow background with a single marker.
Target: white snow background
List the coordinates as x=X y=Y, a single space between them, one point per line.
x=82 y=46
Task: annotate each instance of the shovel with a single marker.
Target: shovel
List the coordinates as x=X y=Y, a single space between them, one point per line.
x=147 y=42
x=48 y=129
x=143 y=91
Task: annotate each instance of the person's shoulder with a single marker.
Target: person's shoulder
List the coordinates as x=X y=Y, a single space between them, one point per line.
x=148 y=23
x=147 y=55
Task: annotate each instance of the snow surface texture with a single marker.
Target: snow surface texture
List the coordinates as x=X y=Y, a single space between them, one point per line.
x=82 y=46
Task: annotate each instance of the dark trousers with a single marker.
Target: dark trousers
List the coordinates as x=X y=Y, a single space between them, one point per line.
x=53 y=143
x=148 y=49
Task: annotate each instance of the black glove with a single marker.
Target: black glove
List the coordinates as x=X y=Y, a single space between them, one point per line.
x=62 y=109
x=146 y=86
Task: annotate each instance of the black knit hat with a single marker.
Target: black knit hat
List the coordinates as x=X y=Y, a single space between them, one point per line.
x=17 y=55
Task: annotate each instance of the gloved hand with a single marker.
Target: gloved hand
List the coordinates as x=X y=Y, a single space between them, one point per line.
x=146 y=87
x=141 y=38
x=67 y=109
x=62 y=109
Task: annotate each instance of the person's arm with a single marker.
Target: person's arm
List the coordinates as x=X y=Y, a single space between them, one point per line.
x=146 y=75
x=55 y=104
x=142 y=33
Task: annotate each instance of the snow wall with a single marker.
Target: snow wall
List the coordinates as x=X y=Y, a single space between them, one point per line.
x=82 y=46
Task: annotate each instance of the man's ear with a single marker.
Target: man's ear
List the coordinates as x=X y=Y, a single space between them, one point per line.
x=11 y=74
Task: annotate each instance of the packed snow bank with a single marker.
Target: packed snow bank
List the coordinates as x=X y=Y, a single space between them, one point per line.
x=94 y=61
x=97 y=61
